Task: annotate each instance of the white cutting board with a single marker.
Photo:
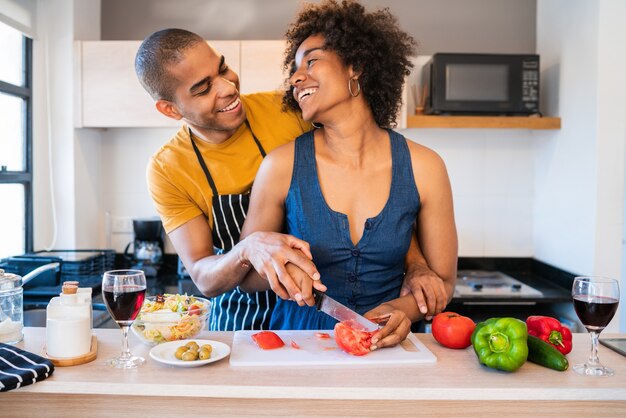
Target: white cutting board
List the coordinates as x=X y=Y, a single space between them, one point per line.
x=321 y=352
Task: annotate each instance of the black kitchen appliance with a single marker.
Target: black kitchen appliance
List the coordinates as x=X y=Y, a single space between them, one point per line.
x=481 y=84
x=147 y=246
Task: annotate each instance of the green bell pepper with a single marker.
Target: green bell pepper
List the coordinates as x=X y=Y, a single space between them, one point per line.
x=500 y=343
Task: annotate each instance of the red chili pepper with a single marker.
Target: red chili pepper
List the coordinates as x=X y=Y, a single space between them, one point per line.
x=551 y=331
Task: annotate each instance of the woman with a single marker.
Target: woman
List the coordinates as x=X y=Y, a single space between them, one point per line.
x=353 y=189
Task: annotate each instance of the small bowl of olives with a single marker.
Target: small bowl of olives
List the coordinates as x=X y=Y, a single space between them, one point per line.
x=192 y=352
x=189 y=353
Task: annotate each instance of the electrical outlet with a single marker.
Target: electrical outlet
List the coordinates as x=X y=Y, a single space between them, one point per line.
x=121 y=225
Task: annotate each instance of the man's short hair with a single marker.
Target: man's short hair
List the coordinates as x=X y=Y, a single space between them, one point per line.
x=156 y=53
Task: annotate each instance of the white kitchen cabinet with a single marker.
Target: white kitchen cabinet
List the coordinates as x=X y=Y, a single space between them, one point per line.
x=110 y=94
x=261 y=66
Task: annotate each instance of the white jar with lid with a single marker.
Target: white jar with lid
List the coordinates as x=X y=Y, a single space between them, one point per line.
x=68 y=324
x=11 y=308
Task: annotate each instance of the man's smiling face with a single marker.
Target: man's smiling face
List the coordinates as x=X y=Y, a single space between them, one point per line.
x=207 y=92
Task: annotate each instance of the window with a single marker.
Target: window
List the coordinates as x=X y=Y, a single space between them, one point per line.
x=16 y=206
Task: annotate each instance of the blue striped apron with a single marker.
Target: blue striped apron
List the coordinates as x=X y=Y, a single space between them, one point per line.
x=235 y=309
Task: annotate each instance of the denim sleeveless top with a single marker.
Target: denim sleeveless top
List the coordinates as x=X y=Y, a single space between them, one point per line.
x=359 y=276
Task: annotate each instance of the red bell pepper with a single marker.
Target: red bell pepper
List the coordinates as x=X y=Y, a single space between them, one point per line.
x=551 y=331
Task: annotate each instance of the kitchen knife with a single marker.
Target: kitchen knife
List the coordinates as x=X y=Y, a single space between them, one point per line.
x=341 y=313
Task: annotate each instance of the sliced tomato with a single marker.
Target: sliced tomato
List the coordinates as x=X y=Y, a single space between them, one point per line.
x=352 y=340
x=267 y=340
x=322 y=335
x=295 y=345
x=194 y=310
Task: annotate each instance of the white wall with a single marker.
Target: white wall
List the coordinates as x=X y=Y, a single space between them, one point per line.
x=66 y=202
x=579 y=177
x=53 y=133
x=87 y=143
x=491 y=175
x=124 y=158
x=611 y=147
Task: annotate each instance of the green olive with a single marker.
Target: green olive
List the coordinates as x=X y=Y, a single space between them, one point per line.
x=190 y=355
x=192 y=345
x=204 y=354
x=208 y=347
x=180 y=351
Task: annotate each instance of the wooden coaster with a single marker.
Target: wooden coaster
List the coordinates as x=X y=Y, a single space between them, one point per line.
x=75 y=361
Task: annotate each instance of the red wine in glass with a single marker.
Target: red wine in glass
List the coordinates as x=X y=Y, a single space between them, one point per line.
x=123 y=292
x=596 y=311
x=595 y=303
x=124 y=303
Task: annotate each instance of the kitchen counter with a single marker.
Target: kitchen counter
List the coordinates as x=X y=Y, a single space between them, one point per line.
x=457 y=385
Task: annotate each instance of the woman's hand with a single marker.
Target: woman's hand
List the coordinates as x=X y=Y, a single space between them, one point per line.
x=299 y=286
x=397 y=326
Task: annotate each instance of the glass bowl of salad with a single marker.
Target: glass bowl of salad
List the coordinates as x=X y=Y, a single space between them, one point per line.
x=169 y=317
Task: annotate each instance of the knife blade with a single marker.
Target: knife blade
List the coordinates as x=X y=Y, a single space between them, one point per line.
x=341 y=313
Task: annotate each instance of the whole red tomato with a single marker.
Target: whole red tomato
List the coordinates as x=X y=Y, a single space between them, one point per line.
x=352 y=340
x=453 y=330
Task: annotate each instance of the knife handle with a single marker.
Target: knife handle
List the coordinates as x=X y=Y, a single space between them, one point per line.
x=318 y=296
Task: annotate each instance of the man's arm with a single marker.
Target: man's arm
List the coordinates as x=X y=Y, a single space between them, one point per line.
x=431 y=292
x=216 y=274
x=267 y=213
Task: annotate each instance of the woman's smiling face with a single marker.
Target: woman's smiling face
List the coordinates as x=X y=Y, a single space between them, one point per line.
x=320 y=80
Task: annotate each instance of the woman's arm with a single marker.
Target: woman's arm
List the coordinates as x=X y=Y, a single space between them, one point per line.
x=436 y=228
x=436 y=233
x=267 y=213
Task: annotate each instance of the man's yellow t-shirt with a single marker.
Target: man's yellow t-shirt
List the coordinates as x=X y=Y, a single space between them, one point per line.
x=178 y=186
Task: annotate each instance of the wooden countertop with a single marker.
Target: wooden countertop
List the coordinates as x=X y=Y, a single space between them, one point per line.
x=456 y=385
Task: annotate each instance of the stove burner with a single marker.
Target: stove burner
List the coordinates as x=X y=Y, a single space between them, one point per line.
x=492 y=284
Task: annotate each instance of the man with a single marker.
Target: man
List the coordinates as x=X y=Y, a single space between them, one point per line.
x=200 y=180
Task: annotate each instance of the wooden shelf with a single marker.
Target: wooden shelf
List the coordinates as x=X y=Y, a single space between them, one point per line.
x=483 y=122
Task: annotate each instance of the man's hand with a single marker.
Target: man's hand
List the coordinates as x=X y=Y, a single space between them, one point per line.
x=269 y=253
x=427 y=288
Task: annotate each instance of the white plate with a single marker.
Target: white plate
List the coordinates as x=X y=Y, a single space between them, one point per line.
x=164 y=353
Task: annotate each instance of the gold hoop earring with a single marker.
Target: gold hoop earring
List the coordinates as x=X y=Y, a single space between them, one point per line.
x=358 y=87
x=316 y=126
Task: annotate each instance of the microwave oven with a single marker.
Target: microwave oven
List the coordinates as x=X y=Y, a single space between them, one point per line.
x=475 y=84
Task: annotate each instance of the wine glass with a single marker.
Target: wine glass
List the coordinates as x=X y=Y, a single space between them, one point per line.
x=123 y=292
x=595 y=302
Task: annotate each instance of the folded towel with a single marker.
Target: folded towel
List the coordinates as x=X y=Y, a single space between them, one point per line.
x=20 y=368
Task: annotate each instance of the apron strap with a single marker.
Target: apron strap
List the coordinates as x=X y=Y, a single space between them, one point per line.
x=256 y=140
x=205 y=169
x=202 y=164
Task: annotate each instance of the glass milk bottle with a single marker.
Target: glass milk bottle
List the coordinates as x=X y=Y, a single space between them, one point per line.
x=11 y=308
x=68 y=324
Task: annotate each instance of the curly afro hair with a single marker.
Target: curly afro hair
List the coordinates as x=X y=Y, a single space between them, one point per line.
x=372 y=43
